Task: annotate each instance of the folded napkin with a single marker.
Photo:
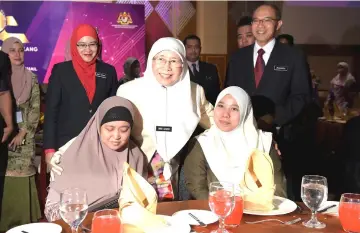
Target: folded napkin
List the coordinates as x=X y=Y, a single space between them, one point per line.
x=258 y=183
x=138 y=201
x=334 y=211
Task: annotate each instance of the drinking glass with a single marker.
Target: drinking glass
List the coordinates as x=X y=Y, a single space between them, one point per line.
x=73 y=207
x=349 y=212
x=234 y=219
x=221 y=202
x=314 y=192
x=106 y=221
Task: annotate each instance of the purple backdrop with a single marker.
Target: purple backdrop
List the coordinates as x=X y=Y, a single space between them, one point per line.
x=48 y=26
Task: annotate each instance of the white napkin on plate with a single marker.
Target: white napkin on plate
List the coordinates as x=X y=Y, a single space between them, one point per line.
x=334 y=211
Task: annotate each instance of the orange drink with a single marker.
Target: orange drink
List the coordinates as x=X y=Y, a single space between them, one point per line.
x=349 y=212
x=106 y=221
x=236 y=215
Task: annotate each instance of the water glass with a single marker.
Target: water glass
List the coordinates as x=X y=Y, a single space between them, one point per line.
x=108 y=221
x=73 y=207
x=221 y=202
x=349 y=212
x=314 y=192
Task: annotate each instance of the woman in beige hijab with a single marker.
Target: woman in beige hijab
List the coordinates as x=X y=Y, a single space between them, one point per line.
x=94 y=160
x=222 y=152
x=20 y=204
x=170 y=107
x=340 y=87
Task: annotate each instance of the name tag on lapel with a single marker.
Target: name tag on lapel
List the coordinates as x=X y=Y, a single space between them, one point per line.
x=164 y=128
x=280 y=68
x=100 y=75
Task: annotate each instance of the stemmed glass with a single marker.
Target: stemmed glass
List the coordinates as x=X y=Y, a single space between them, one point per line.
x=221 y=202
x=314 y=192
x=106 y=221
x=73 y=207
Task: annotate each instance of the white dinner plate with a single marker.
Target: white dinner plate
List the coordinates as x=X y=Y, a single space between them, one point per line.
x=174 y=226
x=40 y=227
x=205 y=216
x=334 y=211
x=281 y=206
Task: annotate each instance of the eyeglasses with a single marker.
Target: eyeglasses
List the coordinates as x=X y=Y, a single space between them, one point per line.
x=173 y=62
x=266 y=21
x=83 y=46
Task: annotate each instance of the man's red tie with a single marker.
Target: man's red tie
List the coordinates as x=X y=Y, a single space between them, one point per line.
x=259 y=67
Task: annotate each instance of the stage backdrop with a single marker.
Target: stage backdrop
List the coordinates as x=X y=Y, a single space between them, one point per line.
x=46 y=27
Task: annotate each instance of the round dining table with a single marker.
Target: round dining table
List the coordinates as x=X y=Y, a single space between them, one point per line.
x=168 y=208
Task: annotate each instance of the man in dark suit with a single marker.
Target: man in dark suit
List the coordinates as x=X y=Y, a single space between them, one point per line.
x=280 y=73
x=244 y=33
x=202 y=73
x=276 y=71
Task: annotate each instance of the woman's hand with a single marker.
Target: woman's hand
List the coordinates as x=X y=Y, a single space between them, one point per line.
x=7 y=131
x=54 y=165
x=18 y=140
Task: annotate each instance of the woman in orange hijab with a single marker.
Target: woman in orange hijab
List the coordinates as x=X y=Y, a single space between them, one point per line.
x=76 y=89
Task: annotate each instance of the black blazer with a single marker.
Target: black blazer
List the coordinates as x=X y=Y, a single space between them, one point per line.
x=5 y=70
x=208 y=78
x=68 y=109
x=286 y=79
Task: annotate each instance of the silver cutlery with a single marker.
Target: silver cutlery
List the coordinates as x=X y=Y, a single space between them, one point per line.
x=326 y=208
x=198 y=220
x=277 y=220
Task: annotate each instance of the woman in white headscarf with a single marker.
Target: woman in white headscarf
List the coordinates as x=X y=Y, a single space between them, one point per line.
x=340 y=86
x=221 y=153
x=170 y=107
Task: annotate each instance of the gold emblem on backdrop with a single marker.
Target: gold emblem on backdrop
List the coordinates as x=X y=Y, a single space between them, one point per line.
x=6 y=21
x=124 y=18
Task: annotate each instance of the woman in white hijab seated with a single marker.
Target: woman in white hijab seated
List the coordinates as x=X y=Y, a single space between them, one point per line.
x=170 y=107
x=222 y=152
x=93 y=161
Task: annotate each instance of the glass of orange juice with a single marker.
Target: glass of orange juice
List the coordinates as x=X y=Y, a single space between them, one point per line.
x=349 y=212
x=106 y=221
x=234 y=219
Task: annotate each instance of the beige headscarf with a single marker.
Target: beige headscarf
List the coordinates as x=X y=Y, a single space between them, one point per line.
x=343 y=81
x=227 y=153
x=21 y=77
x=90 y=165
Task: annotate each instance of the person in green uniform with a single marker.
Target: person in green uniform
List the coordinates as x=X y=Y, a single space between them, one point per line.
x=20 y=204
